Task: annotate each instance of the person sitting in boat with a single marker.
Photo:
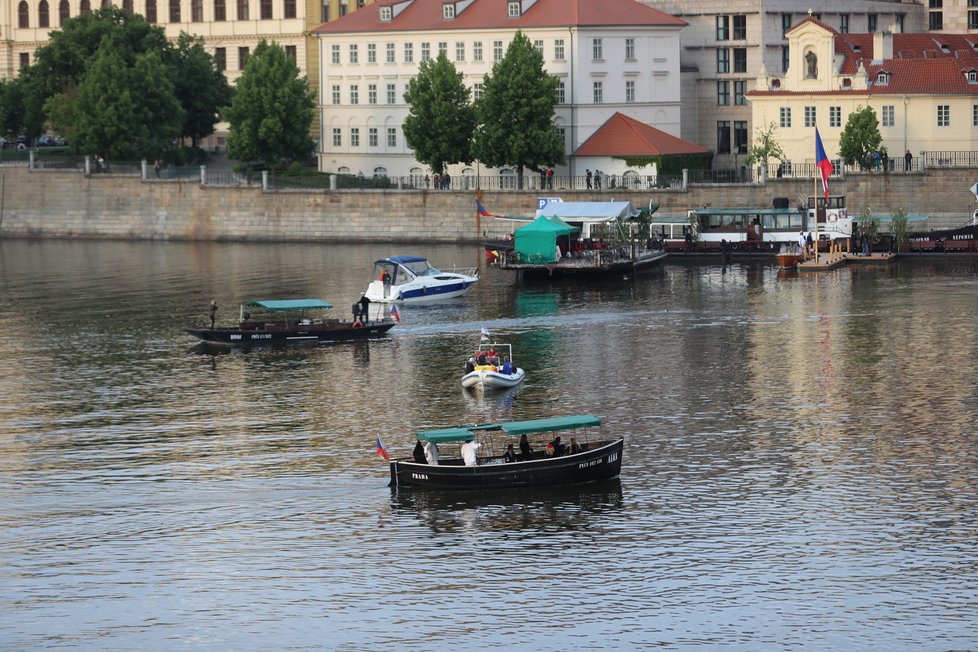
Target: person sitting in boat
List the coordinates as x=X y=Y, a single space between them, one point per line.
x=508 y=368
x=525 y=449
x=575 y=448
x=559 y=448
x=419 y=453
x=431 y=453
x=483 y=358
x=470 y=365
x=510 y=455
x=469 y=452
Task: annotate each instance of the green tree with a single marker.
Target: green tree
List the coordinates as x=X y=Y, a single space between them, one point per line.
x=764 y=146
x=900 y=227
x=441 y=121
x=515 y=112
x=11 y=108
x=200 y=87
x=860 y=137
x=271 y=114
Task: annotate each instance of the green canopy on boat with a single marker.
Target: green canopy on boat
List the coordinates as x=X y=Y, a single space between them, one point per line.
x=446 y=434
x=288 y=304
x=537 y=242
x=510 y=428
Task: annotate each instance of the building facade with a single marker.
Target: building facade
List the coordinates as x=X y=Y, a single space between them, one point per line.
x=609 y=57
x=923 y=88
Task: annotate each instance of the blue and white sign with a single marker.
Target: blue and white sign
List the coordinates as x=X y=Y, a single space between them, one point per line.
x=974 y=190
x=542 y=202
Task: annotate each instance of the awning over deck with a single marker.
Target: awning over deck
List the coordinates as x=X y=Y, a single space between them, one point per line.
x=511 y=428
x=288 y=304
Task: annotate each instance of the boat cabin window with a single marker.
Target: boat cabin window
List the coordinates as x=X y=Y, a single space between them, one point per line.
x=834 y=201
x=421 y=268
x=788 y=221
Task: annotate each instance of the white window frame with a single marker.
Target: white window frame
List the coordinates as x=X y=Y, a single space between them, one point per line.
x=784 y=116
x=597 y=49
x=597 y=90
x=559 y=49
x=888 y=116
x=943 y=115
x=448 y=11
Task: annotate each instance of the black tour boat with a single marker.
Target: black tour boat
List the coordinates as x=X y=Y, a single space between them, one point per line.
x=598 y=458
x=290 y=321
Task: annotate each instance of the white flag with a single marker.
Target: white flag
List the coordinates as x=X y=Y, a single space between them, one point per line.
x=484 y=333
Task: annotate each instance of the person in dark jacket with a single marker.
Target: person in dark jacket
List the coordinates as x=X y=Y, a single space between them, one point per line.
x=525 y=449
x=419 y=453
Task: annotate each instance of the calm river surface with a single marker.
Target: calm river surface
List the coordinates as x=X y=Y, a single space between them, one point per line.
x=800 y=467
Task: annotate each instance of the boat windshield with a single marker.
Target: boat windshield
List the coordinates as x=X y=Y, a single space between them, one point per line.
x=420 y=268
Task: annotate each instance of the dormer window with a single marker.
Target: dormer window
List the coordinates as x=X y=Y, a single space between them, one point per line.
x=514 y=9
x=385 y=14
x=972 y=77
x=882 y=79
x=846 y=83
x=448 y=11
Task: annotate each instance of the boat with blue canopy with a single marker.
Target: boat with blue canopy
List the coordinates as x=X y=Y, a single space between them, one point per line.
x=540 y=452
x=293 y=321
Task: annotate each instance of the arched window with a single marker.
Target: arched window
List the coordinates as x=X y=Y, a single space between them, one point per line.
x=344 y=170
x=43 y=14
x=150 y=11
x=64 y=12
x=86 y=7
x=380 y=171
x=23 y=15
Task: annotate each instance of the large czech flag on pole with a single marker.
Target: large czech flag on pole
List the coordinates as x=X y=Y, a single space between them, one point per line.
x=823 y=163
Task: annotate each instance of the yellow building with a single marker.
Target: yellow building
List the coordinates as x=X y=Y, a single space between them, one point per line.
x=923 y=87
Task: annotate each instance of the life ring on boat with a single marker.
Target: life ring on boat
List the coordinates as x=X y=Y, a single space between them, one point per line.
x=358 y=324
x=734 y=246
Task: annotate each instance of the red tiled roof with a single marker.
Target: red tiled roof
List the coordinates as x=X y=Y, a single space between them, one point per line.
x=859 y=47
x=426 y=15
x=624 y=136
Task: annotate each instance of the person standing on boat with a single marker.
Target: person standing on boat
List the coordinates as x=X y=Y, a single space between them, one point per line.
x=525 y=449
x=419 y=455
x=431 y=453
x=364 y=308
x=469 y=452
x=801 y=244
x=385 y=278
x=213 y=312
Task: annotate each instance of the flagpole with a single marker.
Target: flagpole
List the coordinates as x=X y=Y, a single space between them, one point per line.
x=815 y=199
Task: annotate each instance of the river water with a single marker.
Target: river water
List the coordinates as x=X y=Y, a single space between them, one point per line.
x=800 y=466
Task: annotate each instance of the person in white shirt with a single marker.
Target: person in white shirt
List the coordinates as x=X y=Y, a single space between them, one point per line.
x=431 y=452
x=469 y=449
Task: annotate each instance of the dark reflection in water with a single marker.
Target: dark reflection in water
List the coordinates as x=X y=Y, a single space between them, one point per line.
x=800 y=467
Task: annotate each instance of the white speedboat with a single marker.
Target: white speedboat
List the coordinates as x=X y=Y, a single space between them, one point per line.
x=492 y=367
x=413 y=279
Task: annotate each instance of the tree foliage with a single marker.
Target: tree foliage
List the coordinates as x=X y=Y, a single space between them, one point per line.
x=860 y=137
x=11 y=108
x=441 y=120
x=515 y=112
x=201 y=88
x=272 y=110
x=764 y=146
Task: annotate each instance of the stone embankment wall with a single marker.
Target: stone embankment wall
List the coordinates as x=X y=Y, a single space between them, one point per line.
x=67 y=204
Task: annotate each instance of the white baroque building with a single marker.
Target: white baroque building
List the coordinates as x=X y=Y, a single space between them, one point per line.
x=612 y=56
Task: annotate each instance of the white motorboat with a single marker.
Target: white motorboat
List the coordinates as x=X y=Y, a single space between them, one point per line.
x=492 y=367
x=413 y=279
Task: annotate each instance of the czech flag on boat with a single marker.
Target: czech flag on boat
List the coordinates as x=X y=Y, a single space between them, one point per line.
x=381 y=450
x=823 y=163
x=484 y=334
x=482 y=209
x=394 y=313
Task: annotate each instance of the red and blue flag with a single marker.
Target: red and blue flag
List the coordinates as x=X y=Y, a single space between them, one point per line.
x=381 y=450
x=482 y=209
x=823 y=163
x=396 y=315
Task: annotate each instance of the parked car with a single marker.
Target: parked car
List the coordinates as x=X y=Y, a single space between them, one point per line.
x=51 y=141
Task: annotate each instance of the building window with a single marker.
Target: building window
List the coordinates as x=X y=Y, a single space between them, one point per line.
x=974 y=115
x=740 y=87
x=174 y=11
x=973 y=19
x=391 y=53
x=448 y=11
x=477 y=92
x=723 y=29
x=784 y=58
x=740 y=28
x=221 y=59
x=25 y=59
x=335 y=53
x=354 y=93
x=460 y=50
x=86 y=7
x=598 y=90
x=386 y=13
x=477 y=51
x=290 y=53
x=629 y=92
x=342 y=10
x=723 y=137
x=943 y=115
x=425 y=52
x=392 y=137
x=513 y=9
x=43 y=15
x=337 y=137
x=497 y=50
x=871 y=22
x=740 y=60
x=723 y=60
x=597 y=50
x=935 y=20
x=392 y=93
x=899 y=23
x=740 y=136
x=242 y=9
x=324 y=12
x=538 y=44
x=559 y=49
x=630 y=49
x=220 y=11
x=372 y=137
x=354 y=137
x=443 y=47
x=289 y=9
x=785 y=24
x=196 y=11
x=809 y=116
x=785 y=117
x=242 y=57
x=835 y=116
x=371 y=93
x=64 y=12
x=723 y=93
x=844 y=23
x=935 y=4
x=371 y=53
x=408 y=53
x=561 y=93
x=354 y=53
x=265 y=9
x=336 y=94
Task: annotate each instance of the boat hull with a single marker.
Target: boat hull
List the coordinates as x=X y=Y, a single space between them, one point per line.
x=492 y=379
x=417 y=292
x=261 y=337
x=595 y=266
x=788 y=261
x=602 y=463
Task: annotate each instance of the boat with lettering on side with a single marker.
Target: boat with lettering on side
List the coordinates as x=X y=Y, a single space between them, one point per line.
x=413 y=279
x=556 y=451
x=292 y=321
x=492 y=367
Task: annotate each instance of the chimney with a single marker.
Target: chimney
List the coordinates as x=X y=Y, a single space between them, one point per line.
x=882 y=46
